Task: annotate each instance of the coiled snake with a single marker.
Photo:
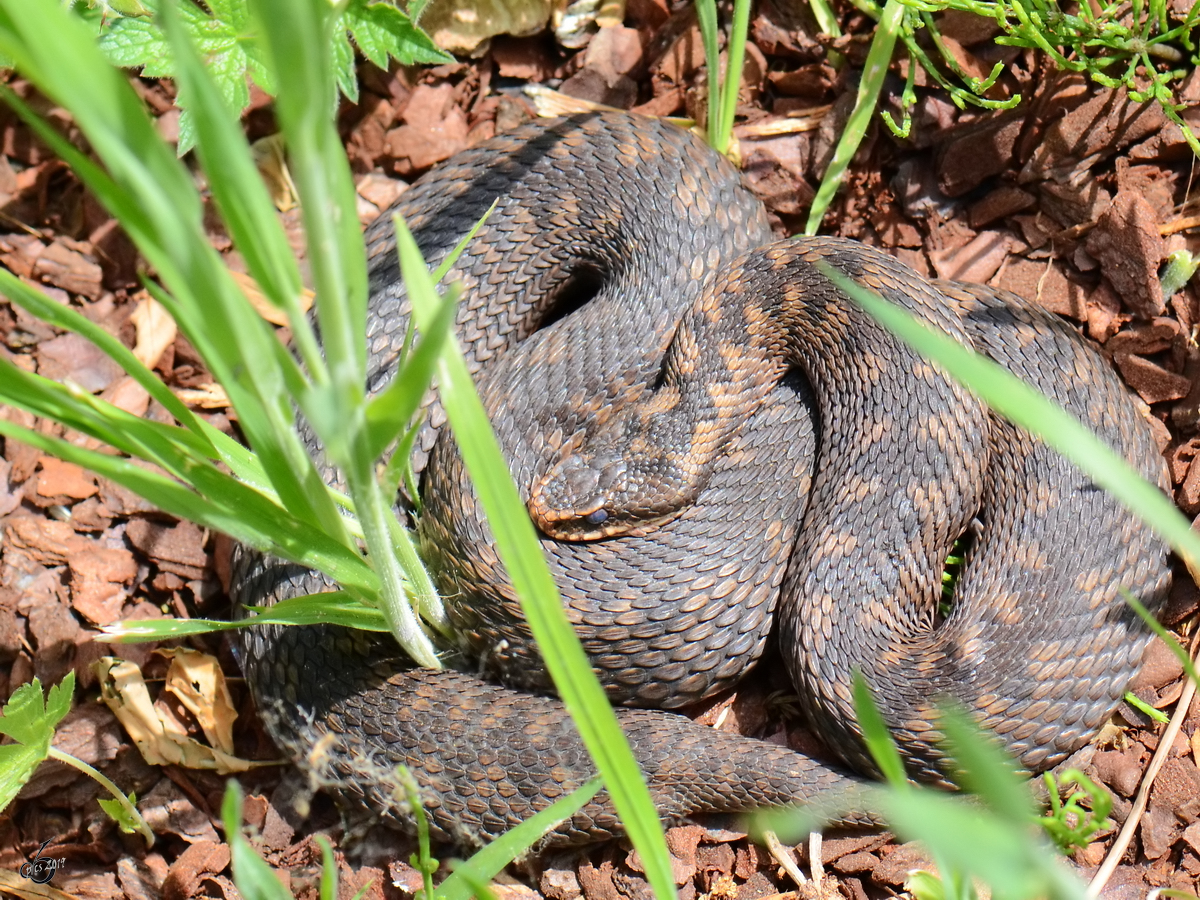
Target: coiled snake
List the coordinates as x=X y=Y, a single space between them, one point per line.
x=828 y=472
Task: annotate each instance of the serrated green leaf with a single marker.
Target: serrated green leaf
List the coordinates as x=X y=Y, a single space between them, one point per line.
x=259 y=67
x=137 y=43
x=234 y=12
x=344 y=72
x=209 y=34
x=119 y=813
x=228 y=71
x=124 y=8
x=30 y=719
x=382 y=30
x=187 y=131
x=17 y=763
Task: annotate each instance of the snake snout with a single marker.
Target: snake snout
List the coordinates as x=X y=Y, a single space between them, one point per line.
x=575 y=500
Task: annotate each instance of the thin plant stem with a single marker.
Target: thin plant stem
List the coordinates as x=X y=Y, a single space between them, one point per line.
x=74 y=762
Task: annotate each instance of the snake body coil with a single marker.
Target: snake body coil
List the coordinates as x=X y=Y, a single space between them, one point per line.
x=608 y=231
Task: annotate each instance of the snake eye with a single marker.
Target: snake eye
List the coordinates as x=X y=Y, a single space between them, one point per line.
x=598 y=517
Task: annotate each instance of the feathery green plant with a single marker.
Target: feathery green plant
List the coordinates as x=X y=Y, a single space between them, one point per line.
x=1146 y=49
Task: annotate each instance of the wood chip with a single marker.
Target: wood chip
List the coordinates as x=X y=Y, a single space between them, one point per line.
x=1129 y=248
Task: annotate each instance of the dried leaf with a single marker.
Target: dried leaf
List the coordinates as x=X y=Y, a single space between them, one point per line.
x=156 y=331
x=161 y=741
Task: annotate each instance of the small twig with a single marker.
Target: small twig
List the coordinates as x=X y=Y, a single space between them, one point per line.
x=783 y=856
x=1177 y=225
x=1143 y=795
x=814 y=857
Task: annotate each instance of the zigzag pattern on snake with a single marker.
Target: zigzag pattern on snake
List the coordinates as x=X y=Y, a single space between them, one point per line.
x=828 y=508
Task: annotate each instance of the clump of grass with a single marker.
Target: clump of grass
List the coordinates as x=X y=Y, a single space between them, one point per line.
x=271 y=497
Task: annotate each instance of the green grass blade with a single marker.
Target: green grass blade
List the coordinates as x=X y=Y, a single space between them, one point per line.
x=157 y=200
x=390 y=411
x=68 y=319
x=876 y=735
x=706 y=13
x=330 y=608
x=970 y=840
x=452 y=257
x=1169 y=639
x=984 y=769
x=828 y=23
x=328 y=889
x=874 y=72
x=488 y=862
x=174 y=449
x=244 y=464
x=255 y=879
x=240 y=193
x=297 y=34
x=517 y=544
x=77 y=409
x=263 y=526
x=736 y=54
x=1029 y=409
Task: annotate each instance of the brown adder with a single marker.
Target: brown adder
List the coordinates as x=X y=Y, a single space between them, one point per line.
x=826 y=471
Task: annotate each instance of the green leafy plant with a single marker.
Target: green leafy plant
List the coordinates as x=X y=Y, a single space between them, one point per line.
x=29 y=719
x=1145 y=708
x=132 y=36
x=272 y=497
x=1069 y=823
x=1139 y=48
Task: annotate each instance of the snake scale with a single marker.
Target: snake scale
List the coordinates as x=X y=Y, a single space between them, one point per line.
x=826 y=472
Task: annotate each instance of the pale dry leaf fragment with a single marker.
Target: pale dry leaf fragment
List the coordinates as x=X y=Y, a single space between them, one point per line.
x=550 y=103
x=463 y=27
x=197 y=680
x=156 y=331
x=207 y=396
x=272 y=166
x=26 y=889
x=793 y=123
x=265 y=307
x=158 y=736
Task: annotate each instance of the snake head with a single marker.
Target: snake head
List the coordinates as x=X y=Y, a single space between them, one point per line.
x=576 y=500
